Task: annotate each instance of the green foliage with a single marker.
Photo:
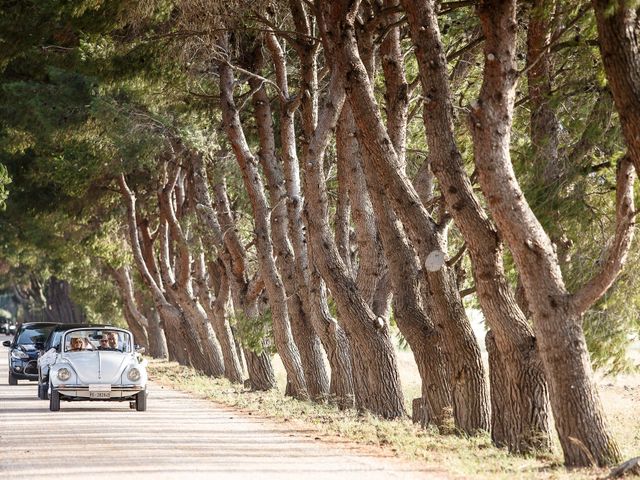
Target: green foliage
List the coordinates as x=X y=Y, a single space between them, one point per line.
x=4 y=181
x=256 y=334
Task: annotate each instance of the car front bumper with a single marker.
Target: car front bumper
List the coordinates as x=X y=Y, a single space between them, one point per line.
x=24 y=369
x=81 y=392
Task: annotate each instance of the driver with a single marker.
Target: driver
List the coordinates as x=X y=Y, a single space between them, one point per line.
x=113 y=340
x=77 y=345
x=104 y=343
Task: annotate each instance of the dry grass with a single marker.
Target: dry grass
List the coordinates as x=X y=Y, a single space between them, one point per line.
x=464 y=457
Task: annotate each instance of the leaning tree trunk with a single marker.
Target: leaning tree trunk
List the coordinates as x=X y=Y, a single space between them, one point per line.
x=157 y=338
x=579 y=419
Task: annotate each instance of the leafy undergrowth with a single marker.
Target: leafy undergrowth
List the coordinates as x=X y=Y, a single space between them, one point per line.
x=461 y=456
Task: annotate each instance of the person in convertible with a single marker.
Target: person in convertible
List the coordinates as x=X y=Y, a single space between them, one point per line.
x=109 y=341
x=77 y=344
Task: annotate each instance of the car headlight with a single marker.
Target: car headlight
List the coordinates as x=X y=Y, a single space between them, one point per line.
x=134 y=374
x=64 y=374
x=19 y=354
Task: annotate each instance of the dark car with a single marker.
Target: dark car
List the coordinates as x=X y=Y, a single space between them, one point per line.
x=25 y=348
x=7 y=328
x=50 y=348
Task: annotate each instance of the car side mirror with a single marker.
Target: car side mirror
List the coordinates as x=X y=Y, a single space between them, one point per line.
x=7 y=343
x=139 y=349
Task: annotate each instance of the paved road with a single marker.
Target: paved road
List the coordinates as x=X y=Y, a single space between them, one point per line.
x=178 y=437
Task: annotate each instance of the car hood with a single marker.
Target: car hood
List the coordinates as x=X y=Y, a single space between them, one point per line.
x=99 y=366
x=28 y=348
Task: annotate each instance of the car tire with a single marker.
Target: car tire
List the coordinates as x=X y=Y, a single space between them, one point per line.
x=12 y=380
x=141 y=401
x=54 y=401
x=43 y=391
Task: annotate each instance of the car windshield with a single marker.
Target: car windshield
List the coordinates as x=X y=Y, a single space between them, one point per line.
x=95 y=339
x=35 y=334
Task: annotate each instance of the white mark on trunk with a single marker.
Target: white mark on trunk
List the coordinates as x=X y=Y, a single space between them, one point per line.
x=435 y=261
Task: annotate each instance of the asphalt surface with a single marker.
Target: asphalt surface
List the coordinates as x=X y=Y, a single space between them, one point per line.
x=178 y=437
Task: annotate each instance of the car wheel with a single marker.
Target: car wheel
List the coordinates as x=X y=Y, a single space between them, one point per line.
x=43 y=391
x=12 y=380
x=141 y=401
x=54 y=401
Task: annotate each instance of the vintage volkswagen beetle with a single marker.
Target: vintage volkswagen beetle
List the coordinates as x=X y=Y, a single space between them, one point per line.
x=97 y=364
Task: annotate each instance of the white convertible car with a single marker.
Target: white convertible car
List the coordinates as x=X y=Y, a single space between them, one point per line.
x=98 y=363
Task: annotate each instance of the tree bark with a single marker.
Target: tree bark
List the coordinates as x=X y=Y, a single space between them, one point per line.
x=375 y=373
x=411 y=315
x=308 y=343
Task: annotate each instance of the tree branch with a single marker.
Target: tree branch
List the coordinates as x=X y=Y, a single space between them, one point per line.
x=619 y=249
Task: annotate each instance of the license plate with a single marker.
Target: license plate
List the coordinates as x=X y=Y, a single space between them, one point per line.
x=99 y=391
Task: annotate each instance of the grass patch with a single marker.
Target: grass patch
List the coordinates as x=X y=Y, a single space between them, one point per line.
x=472 y=457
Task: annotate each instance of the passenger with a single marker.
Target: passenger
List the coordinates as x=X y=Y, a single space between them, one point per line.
x=77 y=345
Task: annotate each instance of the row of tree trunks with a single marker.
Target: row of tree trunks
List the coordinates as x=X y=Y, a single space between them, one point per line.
x=175 y=269
x=307 y=341
x=273 y=282
x=412 y=312
x=556 y=314
x=520 y=402
x=469 y=391
x=244 y=293
x=181 y=341
x=397 y=246
x=309 y=286
x=375 y=374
